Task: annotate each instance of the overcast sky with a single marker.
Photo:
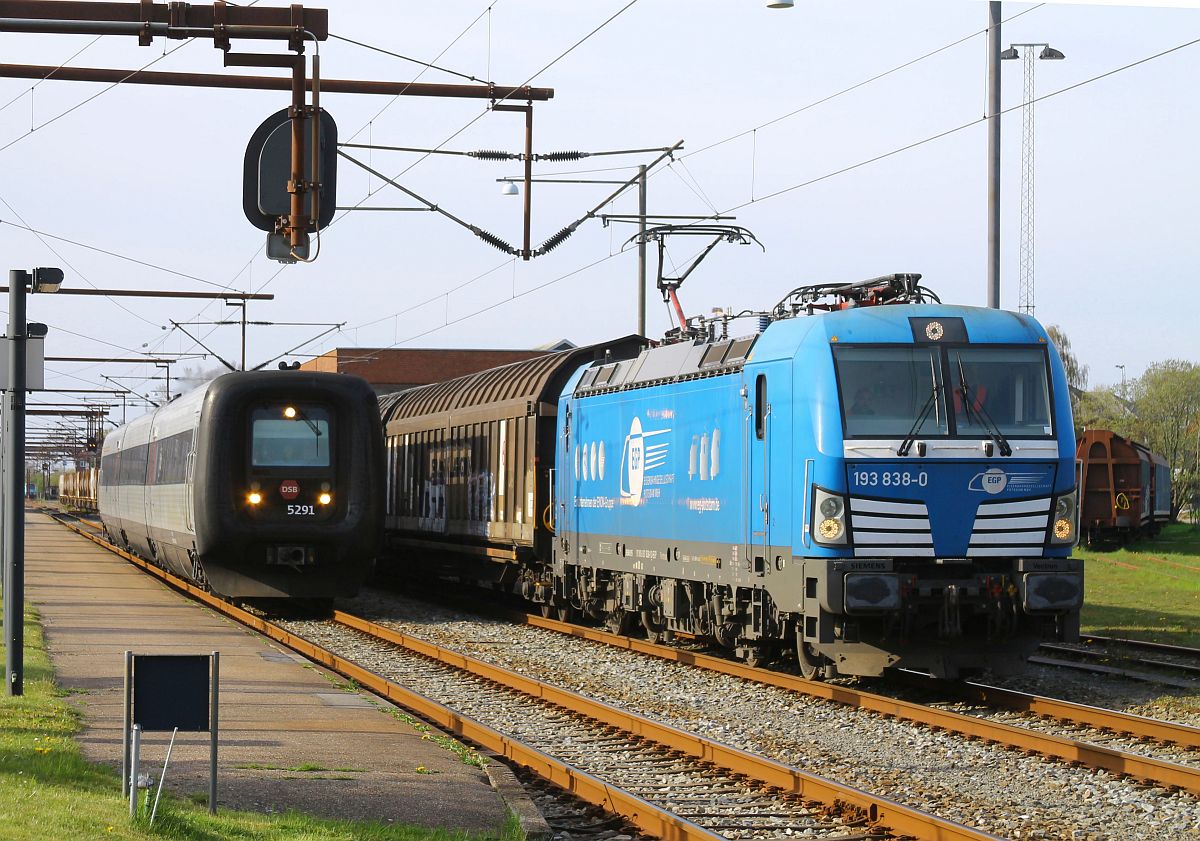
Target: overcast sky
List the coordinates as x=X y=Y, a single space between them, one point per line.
x=154 y=174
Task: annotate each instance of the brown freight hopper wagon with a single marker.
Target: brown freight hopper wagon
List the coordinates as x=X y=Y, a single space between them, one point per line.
x=78 y=489
x=1126 y=488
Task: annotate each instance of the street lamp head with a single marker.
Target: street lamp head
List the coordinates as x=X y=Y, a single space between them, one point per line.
x=780 y=4
x=510 y=189
x=1009 y=54
x=47 y=280
x=1051 y=54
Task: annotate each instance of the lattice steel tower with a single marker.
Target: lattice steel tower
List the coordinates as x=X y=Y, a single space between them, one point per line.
x=1026 y=304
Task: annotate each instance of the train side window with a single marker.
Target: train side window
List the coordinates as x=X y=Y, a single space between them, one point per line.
x=760 y=406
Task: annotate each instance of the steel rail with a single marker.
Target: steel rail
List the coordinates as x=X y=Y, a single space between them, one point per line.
x=1114 y=671
x=1120 y=651
x=880 y=812
x=1146 y=769
x=1165 y=648
x=1167 y=732
x=898 y=819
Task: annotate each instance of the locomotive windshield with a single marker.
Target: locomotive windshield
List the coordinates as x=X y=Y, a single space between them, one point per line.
x=289 y=436
x=1006 y=386
x=892 y=392
x=885 y=389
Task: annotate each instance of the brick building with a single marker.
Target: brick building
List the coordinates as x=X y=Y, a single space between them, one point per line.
x=395 y=369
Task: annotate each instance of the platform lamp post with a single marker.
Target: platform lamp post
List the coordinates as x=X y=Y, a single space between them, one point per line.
x=39 y=280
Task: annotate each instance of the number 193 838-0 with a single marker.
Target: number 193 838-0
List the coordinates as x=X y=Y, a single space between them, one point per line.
x=890 y=478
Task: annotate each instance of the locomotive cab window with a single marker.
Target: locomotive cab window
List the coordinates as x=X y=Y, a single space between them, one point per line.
x=289 y=436
x=760 y=406
x=1006 y=387
x=884 y=391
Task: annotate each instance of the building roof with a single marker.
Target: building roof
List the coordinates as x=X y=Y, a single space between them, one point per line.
x=392 y=369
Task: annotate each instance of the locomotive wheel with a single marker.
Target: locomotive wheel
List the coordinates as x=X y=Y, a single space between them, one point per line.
x=811 y=665
x=618 y=622
x=566 y=613
x=656 y=628
x=755 y=657
x=547 y=610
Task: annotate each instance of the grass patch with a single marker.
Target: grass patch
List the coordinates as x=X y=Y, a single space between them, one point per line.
x=1149 y=590
x=48 y=790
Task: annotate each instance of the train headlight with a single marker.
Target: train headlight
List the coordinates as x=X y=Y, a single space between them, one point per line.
x=254 y=497
x=325 y=498
x=289 y=412
x=831 y=530
x=1065 y=516
x=831 y=506
x=829 y=518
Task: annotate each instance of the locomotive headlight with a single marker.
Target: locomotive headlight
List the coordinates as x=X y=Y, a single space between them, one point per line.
x=254 y=497
x=1064 y=530
x=290 y=412
x=325 y=498
x=830 y=529
x=829 y=518
x=831 y=506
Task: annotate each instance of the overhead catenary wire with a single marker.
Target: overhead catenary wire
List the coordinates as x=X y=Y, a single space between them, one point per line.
x=426 y=64
x=855 y=86
x=50 y=75
x=956 y=129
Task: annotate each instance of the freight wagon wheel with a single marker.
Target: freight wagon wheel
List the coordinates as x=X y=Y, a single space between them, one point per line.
x=811 y=663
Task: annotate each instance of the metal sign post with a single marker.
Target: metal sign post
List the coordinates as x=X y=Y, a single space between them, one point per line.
x=170 y=692
x=13 y=484
x=14 y=512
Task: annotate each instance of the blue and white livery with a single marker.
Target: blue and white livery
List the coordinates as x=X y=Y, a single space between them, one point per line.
x=877 y=486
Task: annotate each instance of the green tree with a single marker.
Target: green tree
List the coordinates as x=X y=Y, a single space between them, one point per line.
x=1077 y=372
x=1102 y=408
x=1166 y=408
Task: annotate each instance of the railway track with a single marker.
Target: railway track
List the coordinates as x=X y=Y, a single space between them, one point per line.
x=671 y=783
x=1145 y=769
x=1149 y=662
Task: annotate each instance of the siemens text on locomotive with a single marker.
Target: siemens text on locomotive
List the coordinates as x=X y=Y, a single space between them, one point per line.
x=869 y=486
x=257 y=485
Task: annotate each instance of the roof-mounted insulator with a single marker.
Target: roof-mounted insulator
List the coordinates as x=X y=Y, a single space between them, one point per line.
x=560 y=157
x=494 y=155
x=493 y=240
x=556 y=240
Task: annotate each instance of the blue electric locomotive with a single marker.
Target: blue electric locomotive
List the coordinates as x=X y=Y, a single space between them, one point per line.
x=872 y=486
x=883 y=485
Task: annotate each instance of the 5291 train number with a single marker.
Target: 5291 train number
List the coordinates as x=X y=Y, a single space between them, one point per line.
x=301 y=510
x=889 y=478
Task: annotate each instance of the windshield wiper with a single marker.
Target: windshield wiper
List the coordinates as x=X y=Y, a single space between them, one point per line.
x=985 y=419
x=911 y=437
x=931 y=403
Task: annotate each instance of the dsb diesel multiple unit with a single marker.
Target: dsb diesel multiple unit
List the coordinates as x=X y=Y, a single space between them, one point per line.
x=257 y=485
x=871 y=487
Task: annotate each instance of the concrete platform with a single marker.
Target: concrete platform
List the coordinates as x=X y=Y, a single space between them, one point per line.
x=278 y=712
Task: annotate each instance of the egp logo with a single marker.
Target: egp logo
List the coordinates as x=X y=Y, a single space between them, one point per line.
x=637 y=457
x=633 y=463
x=991 y=481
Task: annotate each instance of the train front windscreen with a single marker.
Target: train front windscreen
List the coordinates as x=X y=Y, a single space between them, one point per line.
x=291 y=470
x=944 y=392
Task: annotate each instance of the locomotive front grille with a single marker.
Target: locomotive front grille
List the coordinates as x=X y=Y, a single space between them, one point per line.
x=1009 y=528
x=890 y=528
